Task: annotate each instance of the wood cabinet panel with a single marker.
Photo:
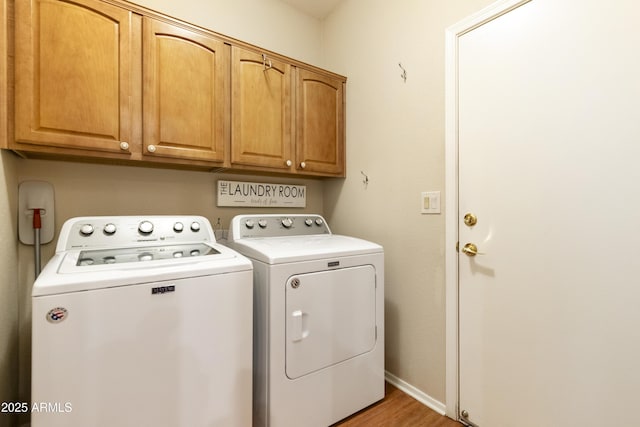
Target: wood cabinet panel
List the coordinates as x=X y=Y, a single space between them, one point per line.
x=319 y=123
x=186 y=93
x=112 y=80
x=74 y=74
x=4 y=86
x=261 y=111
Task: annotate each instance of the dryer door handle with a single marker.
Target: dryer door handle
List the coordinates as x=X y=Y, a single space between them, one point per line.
x=299 y=323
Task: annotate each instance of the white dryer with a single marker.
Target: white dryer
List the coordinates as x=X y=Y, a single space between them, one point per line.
x=142 y=321
x=318 y=319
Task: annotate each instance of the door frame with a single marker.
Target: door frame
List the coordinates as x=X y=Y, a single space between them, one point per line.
x=452 y=34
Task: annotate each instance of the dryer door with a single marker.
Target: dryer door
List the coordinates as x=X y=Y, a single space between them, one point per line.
x=331 y=317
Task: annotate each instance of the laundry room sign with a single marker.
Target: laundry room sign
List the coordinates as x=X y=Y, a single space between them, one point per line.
x=255 y=194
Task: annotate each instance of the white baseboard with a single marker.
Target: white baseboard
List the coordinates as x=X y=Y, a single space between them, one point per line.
x=417 y=394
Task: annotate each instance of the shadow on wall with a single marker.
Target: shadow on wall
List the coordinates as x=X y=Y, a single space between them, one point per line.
x=391 y=339
x=8 y=284
x=9 y=369
x=332 y=191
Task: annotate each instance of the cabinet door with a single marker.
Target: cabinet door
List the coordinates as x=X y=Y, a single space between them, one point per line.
x=3 y=73
x=319 y=123
x=186 y=93
x=74 y=74
x=260 y=111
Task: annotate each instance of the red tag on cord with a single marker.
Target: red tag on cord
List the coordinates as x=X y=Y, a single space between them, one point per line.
x=37 y=223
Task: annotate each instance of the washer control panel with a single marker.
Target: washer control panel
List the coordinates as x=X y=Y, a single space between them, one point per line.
x=115 y=231
x=255 y=226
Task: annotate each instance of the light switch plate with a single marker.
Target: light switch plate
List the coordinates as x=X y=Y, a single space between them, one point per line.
x=430 y=202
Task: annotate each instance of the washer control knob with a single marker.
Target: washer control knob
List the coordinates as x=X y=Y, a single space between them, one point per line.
x=308 y=222
x=319 y=222
x=145 y=227
x=86 y=230
x=178 y=227
x=262 y=223
x=195 y=226
x=287 y=222
x=249 y=224
x=109 y=229
x=146 y=256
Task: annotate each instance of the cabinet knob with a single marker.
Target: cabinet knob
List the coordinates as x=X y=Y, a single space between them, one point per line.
x=289 y=162
x=151 y=148
x=124 y=146
x=303 y=165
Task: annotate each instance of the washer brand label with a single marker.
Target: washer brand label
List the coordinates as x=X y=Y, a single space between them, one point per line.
x=333 y=264
x=57 y=315
x=163 y=289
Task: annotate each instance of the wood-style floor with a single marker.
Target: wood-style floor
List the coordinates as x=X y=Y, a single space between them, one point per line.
x=397 y=409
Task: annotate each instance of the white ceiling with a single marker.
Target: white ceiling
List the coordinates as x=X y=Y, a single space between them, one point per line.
x=316 y=8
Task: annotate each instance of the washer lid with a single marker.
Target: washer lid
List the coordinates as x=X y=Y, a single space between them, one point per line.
x=278 y=250
x=143 y=254
x=67 y=272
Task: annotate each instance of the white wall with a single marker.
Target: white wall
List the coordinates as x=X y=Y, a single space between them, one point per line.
x=269 y=24
x=395 y=134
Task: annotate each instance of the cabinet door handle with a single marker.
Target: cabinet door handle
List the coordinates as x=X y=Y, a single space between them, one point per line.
x=151 y=148
x=124 y=146
x=288 y=162
x=266 y=63
x=303 y=165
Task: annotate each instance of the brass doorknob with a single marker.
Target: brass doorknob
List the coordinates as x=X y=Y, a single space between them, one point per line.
x=470 y=219
x=471 y=250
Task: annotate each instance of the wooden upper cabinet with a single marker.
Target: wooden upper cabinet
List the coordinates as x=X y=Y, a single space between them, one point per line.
x=74 y=74
x=111 y=80
x=320 y=129
x=260 y=111
x=186 y=93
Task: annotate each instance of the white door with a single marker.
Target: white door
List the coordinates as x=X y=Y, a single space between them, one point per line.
x=549 y=163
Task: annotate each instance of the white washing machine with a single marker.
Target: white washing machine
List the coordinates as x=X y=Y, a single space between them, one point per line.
x=318 y=319
x=142 y=321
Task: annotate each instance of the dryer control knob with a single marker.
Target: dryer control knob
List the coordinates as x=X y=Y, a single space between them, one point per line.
x=178 y=227
x=195 y=227
x=308 y=222
x=262 y=223
x=145 y=227
x=109 y=229
x=287 y=222
x=249 y=224
x=86 y=230
x=319 y=221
